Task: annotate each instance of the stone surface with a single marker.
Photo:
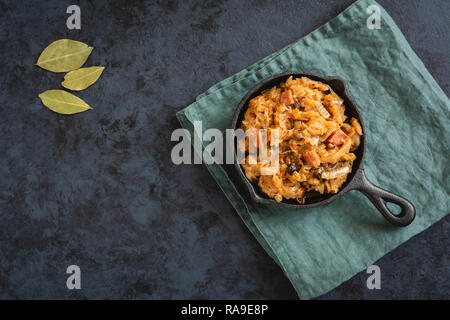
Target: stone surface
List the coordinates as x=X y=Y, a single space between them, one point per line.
x=98 y=189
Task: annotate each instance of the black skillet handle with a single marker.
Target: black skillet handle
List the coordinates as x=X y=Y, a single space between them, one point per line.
x=380 y=197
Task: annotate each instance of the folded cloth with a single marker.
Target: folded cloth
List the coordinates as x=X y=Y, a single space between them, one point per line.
x=406 y=117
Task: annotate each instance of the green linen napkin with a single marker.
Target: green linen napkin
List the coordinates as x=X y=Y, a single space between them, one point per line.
x=406 y=118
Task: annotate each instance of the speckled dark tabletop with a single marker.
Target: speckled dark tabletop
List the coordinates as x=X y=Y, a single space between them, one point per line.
x=98 y=189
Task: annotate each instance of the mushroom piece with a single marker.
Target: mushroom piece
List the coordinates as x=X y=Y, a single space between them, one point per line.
x=335 y=172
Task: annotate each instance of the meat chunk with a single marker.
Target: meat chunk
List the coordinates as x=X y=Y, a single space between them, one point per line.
x=337 y=138
x=286 y=98
x=311 y=158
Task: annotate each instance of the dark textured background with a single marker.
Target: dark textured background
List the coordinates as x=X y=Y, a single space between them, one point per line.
x=98 y=189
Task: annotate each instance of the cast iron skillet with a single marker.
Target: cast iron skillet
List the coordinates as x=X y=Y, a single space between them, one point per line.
x=356 y=180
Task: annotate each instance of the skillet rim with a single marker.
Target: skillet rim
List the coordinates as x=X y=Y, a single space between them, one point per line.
x=333 y=82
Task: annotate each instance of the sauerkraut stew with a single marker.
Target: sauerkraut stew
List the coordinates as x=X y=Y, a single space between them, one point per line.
x=316 y=140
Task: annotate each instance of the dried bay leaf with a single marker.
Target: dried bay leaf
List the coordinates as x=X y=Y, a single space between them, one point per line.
x=63 y=102
x=82 y=78
x=64 y=55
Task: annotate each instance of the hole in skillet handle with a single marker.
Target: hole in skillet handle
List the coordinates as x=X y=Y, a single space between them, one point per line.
x=394 y=208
